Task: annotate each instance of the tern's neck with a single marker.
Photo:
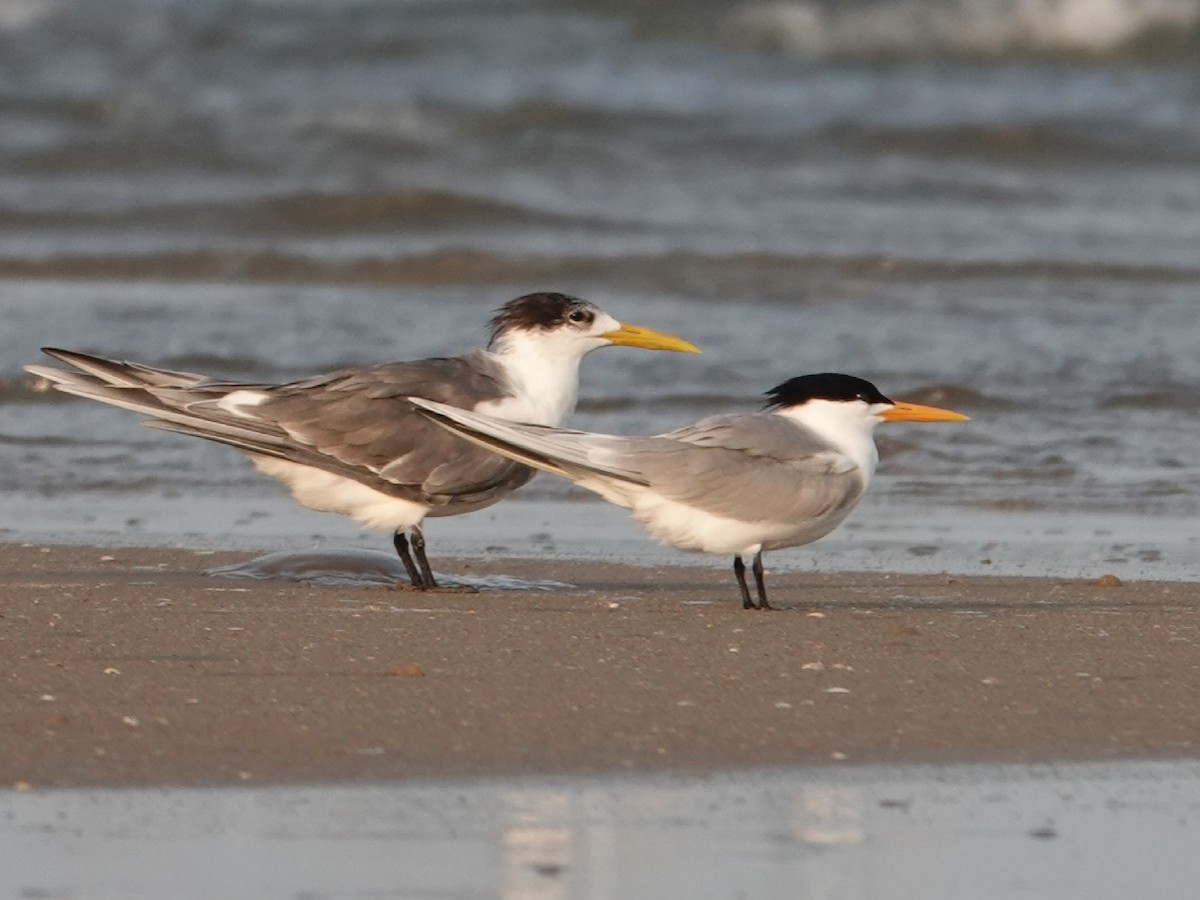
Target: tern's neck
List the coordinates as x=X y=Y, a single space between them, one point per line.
x=543 y=378
x=844 y=427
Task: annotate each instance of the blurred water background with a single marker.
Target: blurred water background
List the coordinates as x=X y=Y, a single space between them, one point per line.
x=988 y=204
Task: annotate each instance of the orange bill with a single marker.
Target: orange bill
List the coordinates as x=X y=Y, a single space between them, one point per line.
x=915 y=412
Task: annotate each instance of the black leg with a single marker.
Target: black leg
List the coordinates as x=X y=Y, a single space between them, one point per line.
x=401 y=544
x=739 y=569
x=418 y=545
x=760 y=583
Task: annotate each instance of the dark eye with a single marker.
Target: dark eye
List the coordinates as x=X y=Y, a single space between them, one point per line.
x=578 y=315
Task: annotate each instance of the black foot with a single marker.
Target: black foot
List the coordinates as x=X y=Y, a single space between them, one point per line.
x=739 y=570
x=418 y=545
x=760 y=583
x=400 y=542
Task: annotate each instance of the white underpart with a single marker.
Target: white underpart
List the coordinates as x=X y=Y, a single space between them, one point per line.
x=318 y=489
x=542 y=368
x=689 y=528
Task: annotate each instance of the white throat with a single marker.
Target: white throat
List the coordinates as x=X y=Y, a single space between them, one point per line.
x=543 y=373
x=848 y=427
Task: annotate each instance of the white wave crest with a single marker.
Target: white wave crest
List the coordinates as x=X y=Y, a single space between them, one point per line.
x=16 y=15
x=988 y=28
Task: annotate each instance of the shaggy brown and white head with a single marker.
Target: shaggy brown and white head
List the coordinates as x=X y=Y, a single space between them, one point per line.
x=562 y=324
x=543 y=311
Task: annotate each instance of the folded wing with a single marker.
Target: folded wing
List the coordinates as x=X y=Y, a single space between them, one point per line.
x=750 y=468
x=357 y=423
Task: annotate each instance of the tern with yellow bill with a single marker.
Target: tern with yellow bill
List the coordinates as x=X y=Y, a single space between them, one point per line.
x=729 y=484
x=350 y=442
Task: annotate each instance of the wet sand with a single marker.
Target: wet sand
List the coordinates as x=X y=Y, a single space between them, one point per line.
x=133 y=667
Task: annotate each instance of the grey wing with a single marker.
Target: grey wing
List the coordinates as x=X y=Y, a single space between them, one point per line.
x=355 y=423
x=753 y=466
x=359 y=423
x=577 y=455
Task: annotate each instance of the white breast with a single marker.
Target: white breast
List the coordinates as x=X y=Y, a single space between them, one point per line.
x=318 y=489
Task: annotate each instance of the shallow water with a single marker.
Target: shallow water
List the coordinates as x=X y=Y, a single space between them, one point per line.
x=364 y=568
x=857 y=833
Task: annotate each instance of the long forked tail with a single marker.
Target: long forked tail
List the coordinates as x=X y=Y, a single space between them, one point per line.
x=160 y=393
x=91 y=369
x=560 y=451
x=182 y=402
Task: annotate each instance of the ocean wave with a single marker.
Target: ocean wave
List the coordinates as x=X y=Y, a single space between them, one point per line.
x=18 y=15
x=697 y=275
x=956 y=396
x=972 y=29
x=1170 y=396
x=1080 y=142
x=411 y=208
x=305 y=212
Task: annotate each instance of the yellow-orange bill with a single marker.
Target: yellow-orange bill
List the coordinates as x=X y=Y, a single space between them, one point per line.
x=649 y=339
x=914 y=412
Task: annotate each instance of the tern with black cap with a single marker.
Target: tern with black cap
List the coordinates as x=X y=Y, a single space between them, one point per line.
x=729 y=484
x=351 y=442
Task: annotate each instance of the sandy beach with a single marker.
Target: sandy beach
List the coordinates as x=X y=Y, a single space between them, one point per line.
x=133 y=667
